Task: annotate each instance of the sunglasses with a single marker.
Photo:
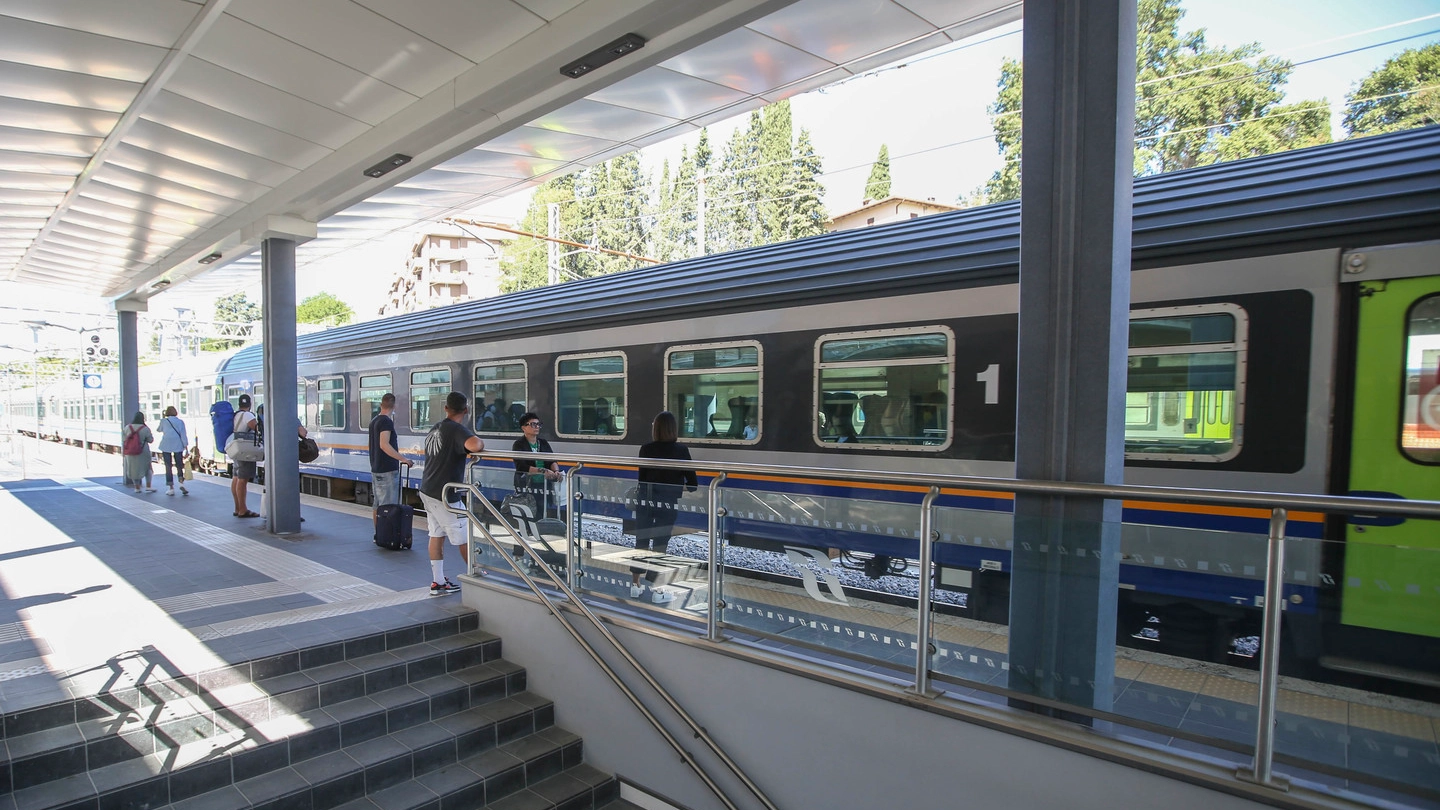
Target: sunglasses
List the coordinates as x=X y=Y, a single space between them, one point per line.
x=533 y=424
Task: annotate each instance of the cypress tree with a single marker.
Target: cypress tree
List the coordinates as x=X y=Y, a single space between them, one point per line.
x=877 y=185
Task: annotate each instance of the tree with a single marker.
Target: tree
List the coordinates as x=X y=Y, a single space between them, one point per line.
x=1196 y=103
x=808 y=215
x=236 y=308
x=877 y=185
x=324 y=308
x=523 y=263
x=1403 y=93
x=767 y=188
x=233 y=308
x=1005 y=112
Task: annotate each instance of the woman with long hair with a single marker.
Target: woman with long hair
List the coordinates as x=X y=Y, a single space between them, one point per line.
x=659 y=491
x=135 y=444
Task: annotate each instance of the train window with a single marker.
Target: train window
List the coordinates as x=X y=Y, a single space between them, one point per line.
x=155 y=410
x=1185 y=392
x=184 y=403
x=500 y=397
x=331 y=412
x=232 y=393
x=1420 y=425
x=887 y=388
x=257 y=395
x=590 y=395
x=372 y=388
x=714 y=391
x=428 y=390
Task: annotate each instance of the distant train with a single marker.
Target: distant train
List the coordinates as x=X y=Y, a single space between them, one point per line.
x=1285 y=336
x=75 y=415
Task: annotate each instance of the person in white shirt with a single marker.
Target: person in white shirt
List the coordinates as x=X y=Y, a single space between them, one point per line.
x=173 y=442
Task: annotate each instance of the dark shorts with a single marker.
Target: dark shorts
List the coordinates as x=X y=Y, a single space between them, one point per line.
x=244 y=469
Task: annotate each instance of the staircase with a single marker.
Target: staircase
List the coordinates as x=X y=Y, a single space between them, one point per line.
x=428 y=716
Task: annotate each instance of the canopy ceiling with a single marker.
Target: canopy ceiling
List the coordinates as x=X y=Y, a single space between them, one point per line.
x=139 y=137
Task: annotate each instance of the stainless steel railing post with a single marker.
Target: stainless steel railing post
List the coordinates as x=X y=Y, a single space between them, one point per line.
x=1260 y=770
x=922 y=625
x=717 y=600
x=574 y=499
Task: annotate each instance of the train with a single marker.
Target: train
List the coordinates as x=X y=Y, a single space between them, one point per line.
x=1284 y=337
x=73 y=413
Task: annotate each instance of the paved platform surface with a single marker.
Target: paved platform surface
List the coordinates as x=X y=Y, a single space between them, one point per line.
x=105 y=588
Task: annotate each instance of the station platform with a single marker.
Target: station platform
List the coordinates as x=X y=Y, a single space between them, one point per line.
x=158 y=652
x=106 y=587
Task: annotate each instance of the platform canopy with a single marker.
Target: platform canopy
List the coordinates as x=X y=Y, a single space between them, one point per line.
x=149 y=143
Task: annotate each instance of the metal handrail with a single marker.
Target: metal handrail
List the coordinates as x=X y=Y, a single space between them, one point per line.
x=473 y=493
x=1340 y=504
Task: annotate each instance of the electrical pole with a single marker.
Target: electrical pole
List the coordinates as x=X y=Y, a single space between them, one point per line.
x=700 y=213
x=552 y=247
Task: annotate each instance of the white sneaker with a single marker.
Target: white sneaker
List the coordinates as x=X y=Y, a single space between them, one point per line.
x=635 y=591
x=149 y=489
x=661 y=596
x=170 y=491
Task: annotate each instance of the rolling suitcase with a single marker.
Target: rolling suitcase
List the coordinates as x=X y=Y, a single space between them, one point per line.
x=394 y=523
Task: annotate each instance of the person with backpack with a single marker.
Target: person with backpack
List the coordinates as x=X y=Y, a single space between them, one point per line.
x=135 y=445
x=243 y=472
x=173 y=440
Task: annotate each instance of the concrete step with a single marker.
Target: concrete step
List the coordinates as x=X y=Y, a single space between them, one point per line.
x=122 y=692
x=174 y=720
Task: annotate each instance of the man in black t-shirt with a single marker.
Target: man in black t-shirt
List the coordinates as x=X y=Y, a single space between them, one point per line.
x=447 y=445
x=385 y=458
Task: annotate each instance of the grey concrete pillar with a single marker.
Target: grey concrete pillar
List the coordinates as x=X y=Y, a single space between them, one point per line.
x=1078 y=131
x=129 y=348
x=282 y=459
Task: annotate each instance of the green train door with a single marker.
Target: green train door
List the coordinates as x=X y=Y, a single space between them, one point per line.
x=1392 y=566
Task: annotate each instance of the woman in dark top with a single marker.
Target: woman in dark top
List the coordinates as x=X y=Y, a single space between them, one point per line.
x=660 y=489
x=534 y=477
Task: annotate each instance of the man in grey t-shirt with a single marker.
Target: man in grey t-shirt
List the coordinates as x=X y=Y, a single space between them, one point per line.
x=447 y=446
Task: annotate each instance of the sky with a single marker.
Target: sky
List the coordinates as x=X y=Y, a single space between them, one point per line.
x=930 y=112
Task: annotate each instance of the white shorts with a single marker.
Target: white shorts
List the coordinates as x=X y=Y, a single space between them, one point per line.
x=441 y=522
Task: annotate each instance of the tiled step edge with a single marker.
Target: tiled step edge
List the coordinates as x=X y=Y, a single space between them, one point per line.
x=138 y=698
x=493 y=780
x=317 y=762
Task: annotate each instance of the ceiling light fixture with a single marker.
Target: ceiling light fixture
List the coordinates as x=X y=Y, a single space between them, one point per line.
x=603 y=56
x=387 y=165
x=161 y=284
x=211 y=259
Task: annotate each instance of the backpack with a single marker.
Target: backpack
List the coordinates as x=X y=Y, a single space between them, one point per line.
x=133 y=446
x=222 y=421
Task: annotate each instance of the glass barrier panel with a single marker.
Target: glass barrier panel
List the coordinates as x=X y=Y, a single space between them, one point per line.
x=536 y=510
x=830 y=574
x=1360 y=656
x=647 y=545
x=972 y=591
x=1185 y=611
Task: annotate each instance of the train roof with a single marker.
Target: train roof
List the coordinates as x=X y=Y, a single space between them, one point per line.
x=1359 y=193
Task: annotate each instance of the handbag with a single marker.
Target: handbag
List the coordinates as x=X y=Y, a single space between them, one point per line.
x=309 y=450
x=245 y=445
